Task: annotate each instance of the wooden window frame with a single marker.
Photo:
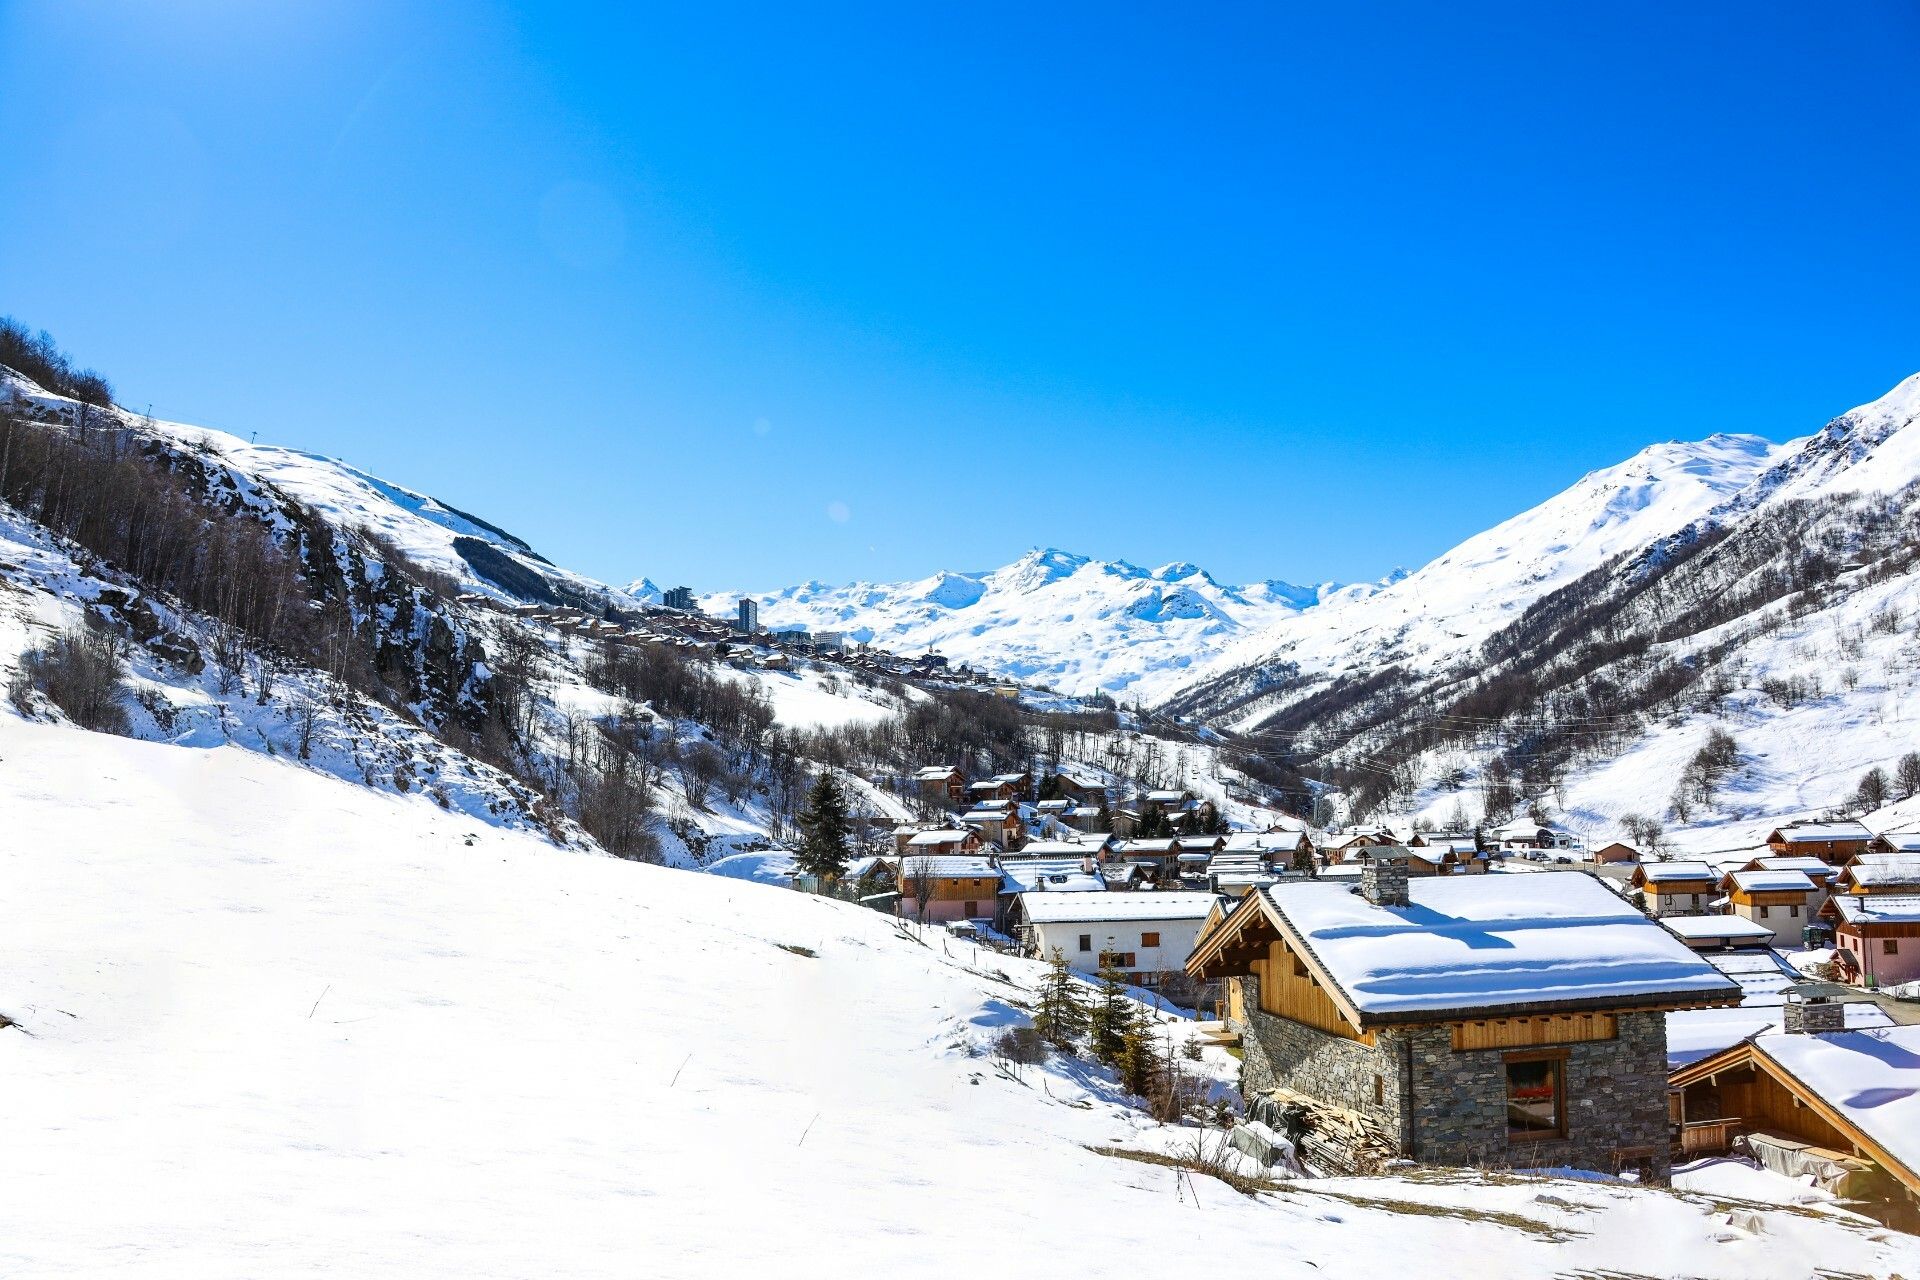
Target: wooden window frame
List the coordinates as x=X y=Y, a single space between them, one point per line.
x=1559 y=1132
x=1149 y=940
x=1889 y=946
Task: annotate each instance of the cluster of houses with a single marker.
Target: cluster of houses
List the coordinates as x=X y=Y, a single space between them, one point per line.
x=1385 y=990
x=1813 y=884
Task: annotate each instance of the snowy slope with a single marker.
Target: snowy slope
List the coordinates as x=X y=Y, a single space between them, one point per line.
x=1050 y=617
x=269 y=1024
x=427 y=530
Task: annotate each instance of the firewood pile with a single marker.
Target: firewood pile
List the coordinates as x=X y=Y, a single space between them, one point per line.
x=1331 y=1139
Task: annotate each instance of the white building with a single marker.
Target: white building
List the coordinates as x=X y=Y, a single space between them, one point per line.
x=1145 y=933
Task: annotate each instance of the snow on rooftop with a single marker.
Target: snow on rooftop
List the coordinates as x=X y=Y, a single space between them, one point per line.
x=946 y=865
x=1693 y=1034
x=1885 y=869
x=1732 y=928
x=1772 y=881
x=1871 y=1077
x=1809 y=832
x=1119 y=905
x=1662 y=872
x=1473 y=942
x=947 y=835
x=1878 y=908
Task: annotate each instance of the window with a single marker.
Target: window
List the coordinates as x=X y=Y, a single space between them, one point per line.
x=1379 y=1091
x=1536 y=1096
x=1794 y=912
x=1765 y=912
x=1889 y=947
x=1696 y=899
x=1149 y=939
x=1117 y=959
x=1086 y=942
x=973 y=909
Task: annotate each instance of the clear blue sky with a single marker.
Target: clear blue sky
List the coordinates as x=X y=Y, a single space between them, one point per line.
x=740 y=296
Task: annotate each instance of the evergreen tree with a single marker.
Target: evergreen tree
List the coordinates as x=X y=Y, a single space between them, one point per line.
x=1139 y=1059
x=825 y=831
x=1110 y=1015
x=1060 y=1018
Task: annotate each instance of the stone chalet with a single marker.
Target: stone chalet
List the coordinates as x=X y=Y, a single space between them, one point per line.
x=1515 y=1020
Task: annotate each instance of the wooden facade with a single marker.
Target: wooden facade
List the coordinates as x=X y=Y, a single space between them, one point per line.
x=1289 y=990
x=1532 y=1032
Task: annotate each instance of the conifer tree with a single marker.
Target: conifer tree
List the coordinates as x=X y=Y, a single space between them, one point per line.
x=1060 y=1018
x=1139 y=1059
x=1110 y=1015
x=825 y=831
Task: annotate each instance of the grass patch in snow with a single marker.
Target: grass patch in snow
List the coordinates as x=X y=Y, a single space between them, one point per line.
x=798 y=950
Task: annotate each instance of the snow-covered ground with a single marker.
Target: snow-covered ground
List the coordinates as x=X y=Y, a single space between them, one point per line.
x=273 y=1024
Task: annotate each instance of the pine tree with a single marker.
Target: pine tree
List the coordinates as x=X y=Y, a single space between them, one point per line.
x=1060 y=1018
x=825 y=831
x=1110 y=1015
x=1139 y=1059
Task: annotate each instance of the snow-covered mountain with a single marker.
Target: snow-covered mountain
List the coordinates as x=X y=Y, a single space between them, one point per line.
x=1051 y=617
x=1084 y=625
x=1447 y=608
x=1784 y=615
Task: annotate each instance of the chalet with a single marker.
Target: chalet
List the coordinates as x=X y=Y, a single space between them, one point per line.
x=992 y=789
x=1880 y=873
x=1782 y=902
x=1022 y=784
x=942 y=784
x=1834 y=842
x=1876 y=937
x=1516 y=1020
x=999 y=822
x=1616 y=852
x=1675 y=888
x=1078 y=789
x=1164 y=801
x=937 y=840
x=1354 y=839
x=1159 y=858
x=1233 y=875
x=1142 y=934
x=1203 y=846
x=955 y=887
x=1815 y=1099
x=1895 y=842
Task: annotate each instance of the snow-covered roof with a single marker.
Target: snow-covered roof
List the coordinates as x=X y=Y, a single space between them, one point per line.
x=1693 y=1034
x=1489 y=942
x=1045 y=908
x=1811 y=832
x=1060 y=848
x=1878 y=908
x=1021 y=874
x=1663 y=872
x=1877 y=869
x=936 y=772
x=1717 y=928
x=1870 y=1077
x=1144 y=846
x=1806 y=863
x=949 y=865
x=1902 y=841
x=1771 y=881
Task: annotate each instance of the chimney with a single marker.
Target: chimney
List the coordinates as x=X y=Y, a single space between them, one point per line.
x=1383 y=881
x=1813 y=1015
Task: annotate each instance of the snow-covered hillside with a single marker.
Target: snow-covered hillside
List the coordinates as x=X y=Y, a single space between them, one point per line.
x=267 y=1023
x=1447 y=608
x=1067 y=621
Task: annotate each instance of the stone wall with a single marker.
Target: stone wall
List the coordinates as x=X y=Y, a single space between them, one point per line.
x=1338 y=1071
x=1616 y=1090
x=1616 y=1101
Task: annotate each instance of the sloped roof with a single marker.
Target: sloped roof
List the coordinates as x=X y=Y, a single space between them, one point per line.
x=1803 y=862
x=1876 y=869
x=1877 y=908
x=1722 y=928
x=948 y=835
x=947 y=865
x=1810 y=832
x=1123 y=904
x=1663 y=872
x=1467 y=945
x=1771 y=881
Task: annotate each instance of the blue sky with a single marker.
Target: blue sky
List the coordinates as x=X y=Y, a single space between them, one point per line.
x=738 y=296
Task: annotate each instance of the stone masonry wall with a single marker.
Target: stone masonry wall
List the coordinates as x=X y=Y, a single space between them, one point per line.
x=1333 y=1069
x=1616 y=1100
x=1616 y=1090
